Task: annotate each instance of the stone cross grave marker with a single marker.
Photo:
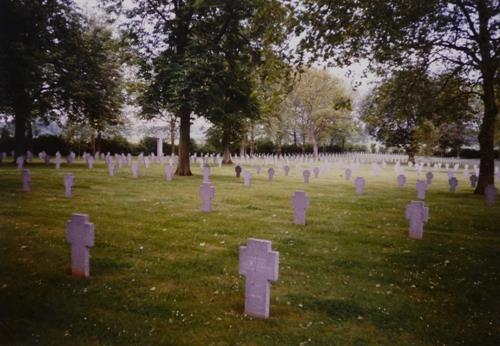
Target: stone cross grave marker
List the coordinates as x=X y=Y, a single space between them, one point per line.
x=453 y=184
x=401 y=180
x=360 y=185
x=169 y=172
x=26 y=179
x=300 y=203
x=69 y=182
x=257 y=169
x=286 y=170
x=80 y=235
x=206 y=174
x=20 y=162
x=490 y=192
x=259 y=264
x=237 y=169
x=429 y=176
x=421 y=189
x=58 y=160
x=207 y=194
x=135 y=169
x=418 y=214
x=348 y=173
x=47 y=159
x=316 y=172
x=270 y=174
x=90 y=161
x=473 y=180
x=247 y=176
x=306 y=174
x=111 y=169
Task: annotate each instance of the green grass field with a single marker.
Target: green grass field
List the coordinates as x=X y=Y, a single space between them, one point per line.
x=162 y=272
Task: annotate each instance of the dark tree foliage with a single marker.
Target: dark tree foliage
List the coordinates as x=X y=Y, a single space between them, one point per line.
x=460 y=36
x=399 y=110
x=99 y=89
x=38 y=41
x=189 y=51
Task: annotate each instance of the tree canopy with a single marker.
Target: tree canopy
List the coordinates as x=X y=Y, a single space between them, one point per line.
x=461 y=37
x=411 y=110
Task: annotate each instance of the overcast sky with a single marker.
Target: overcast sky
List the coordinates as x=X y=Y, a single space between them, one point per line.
x=352 y=77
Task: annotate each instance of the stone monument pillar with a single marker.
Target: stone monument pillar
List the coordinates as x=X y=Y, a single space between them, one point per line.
x=159 y=144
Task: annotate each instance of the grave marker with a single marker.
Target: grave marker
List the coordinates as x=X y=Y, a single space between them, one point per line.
x=206 y=174
x=26 y=179
x=20 y=162
x=80 y=235
x=69 y=182
x=360 y=185
x=169 y=172
x=247 y=176
x=286 y=170
x=306 y=174
x=453 y=184
x=473 y=180
x=418 y=214
x=300 y=203
x=401 y=180
x=429 y=176
x=135 y=170
x=421 y=189
x=348 y=173
x=316 y=171
x=257 y=169
x=259 y=264
x=270 y=174
x=207 y=194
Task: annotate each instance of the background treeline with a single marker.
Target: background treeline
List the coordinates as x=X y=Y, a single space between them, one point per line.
x=119 y=144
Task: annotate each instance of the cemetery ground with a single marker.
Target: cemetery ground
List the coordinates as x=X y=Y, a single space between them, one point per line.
x=163 y=272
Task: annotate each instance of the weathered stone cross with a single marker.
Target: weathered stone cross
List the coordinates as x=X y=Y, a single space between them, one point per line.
x=80 y=235
x=259 y=264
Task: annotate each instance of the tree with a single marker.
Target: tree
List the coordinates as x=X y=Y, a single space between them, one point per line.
x=406 y=109
x=460 y=36
x=38 y=45
x=100 y=84
x=183 y=45
x=321 y=103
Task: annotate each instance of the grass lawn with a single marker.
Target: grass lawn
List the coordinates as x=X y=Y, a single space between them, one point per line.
x=162 y=272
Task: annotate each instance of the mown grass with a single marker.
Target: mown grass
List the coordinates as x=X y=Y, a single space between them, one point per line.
x=162 y=272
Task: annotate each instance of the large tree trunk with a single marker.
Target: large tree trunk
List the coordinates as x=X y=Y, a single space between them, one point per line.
x=486 y=141
x=411 y=155
x=487 y=131
x=183 y=167
x=315 y=148
x=315 y=145
x=226 y=157
x=252 y=139
x=29 y=136
x=92 y=143
x=173 y=121
x=98 y=142
x=21 y=118
x=243 y=146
